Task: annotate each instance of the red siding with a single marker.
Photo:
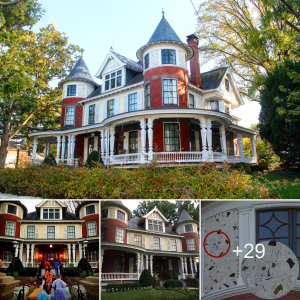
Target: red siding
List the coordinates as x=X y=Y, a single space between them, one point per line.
x=78 y=110
x=190 y=234
x=111 y=225
x=158 y=136
x=155 y=77
x=185 y=136
x=194 y=62
x=12 y=218
x=293 y=295
x=94 y=217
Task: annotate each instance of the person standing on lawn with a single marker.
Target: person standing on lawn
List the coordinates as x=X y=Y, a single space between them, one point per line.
x=56 y=265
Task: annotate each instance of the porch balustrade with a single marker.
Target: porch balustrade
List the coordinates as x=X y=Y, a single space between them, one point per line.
x=126 y=158
x=191 y=156
x=119 y=276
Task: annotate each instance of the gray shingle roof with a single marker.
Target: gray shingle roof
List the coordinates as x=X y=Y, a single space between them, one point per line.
x=164 y=32
x=66 y=216
x=212 y=79
x=130 y=63
x=184 y=216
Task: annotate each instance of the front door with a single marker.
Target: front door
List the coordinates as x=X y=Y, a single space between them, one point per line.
x=50 y=256
x=159 y=269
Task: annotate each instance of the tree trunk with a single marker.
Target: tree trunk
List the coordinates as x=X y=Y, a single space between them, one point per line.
x=4 y=144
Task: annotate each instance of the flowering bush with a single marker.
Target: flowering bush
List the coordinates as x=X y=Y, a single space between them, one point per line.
x=181 y=182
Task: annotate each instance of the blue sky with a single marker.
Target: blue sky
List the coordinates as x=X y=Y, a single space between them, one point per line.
x=95 y=24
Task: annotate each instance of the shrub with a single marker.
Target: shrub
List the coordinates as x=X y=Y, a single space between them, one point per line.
x=197 y=274
x=82 y=265
x=73 y=272
x=17 y=266
x=49 y=160
x=119 y=286
x=3 y=271
x=96 y=271
x=257 y=168
x=241 y=166
x=93 y=160
x=28 y=272
x=83 y=274
x=146 y=278
x=173 y=283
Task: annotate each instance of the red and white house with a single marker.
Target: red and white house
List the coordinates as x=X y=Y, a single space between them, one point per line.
x=130 y=245
x=150 y=109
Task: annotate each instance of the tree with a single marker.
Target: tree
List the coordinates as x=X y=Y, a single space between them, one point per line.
x=169 y=209
x=72 y=205
x=251 y=36
x=50 y=160
x=28 y=63
x=284 y=136
x=93 y=160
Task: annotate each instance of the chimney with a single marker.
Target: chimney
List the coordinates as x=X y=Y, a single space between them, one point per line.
x=169 y=225
x=193 y=42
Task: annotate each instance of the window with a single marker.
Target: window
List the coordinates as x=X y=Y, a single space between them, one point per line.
x=71 y=90
x=133 y=142
x=92 y=114
x=93 y=255
x=188 y=228
x=138 y=240
x=11 y=209
x=103 y=234
x=91 y=146
x=8 y=254
x=156 y=243
x=104 y=213
x=132 y=102
x=147 y=61
x=155 y=225
x=168 y=56
x=171 y=137
x=173 y=245
x=110 y=107
x=71 y=232
x=51 y=213
x=147 y=95
x=50 y=232
x=170 y=91
x=10 y=228
x=216 y=140
x=191 y=101
x=91 y=229
x=113 y=80
x=229 y=144
x=226 y=108
x=227 y=84
x=214 y=105
x=190 y=244
x=70 y=116
x=90 y=210
x=118 y=264
x=120 y=216
x=175 y=269
x=30 y=232
x=192 y=140
x=119 y=235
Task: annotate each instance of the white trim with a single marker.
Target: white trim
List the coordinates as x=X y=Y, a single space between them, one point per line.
x=155 y=209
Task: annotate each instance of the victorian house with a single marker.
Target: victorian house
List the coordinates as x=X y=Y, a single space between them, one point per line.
x=152 y=108
x=49 y=233
x=130 y=245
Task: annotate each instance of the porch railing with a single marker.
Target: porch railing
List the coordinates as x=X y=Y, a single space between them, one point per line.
x=219 y=157
x=191 y=156
x=119 y=276
x=126 y=158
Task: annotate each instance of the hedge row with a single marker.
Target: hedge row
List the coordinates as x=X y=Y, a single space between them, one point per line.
x=122 y=285
x=153 y=182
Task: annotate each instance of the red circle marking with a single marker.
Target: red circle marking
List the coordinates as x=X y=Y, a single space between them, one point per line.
x=213 y=255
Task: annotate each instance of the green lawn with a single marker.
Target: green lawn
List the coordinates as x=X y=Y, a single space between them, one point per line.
x=286 y=189
x=143 y=295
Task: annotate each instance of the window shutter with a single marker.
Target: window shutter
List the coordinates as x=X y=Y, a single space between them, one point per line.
x=36 y=231
x=105 y=110
x=178 y=246
x=86 y=121
x=131 y=265
x=85 y=148
x=196 y=101
x=161 y=244
x=76 y=232
x=132 y=239
x=170 y=265
x=126 y=103
x=126 y=142
x=169 y=245
x=45 y=232
x=96 y=143
x=25 y=231
x=116 y=110
x=151 y=243
x=197 y=138
x=56 y=232
x=65 y=232
x=143 y=241
x=97 y=108
x=139 y=141
x=139 y=100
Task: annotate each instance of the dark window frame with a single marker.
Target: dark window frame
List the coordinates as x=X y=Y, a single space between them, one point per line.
x=51 y=232
x=8 y=253
x=168 y=57
x=70 y=118
x=11 y=227
x=191 y=105
x=189 y=244
x=110 y=108
x=11 y=209
x=90 y=145
x=91 y=229
x=147 y=61
x=172 y=145
x=148 y=95
x=71 y=90
x=113 y=80
x=133 y=141
x=227 y=84
x=71 y=232
x=165 y=90
x=120 y=213
x=104 y=213
x=132 y=102
x=190 y=226
x=103 y=234
x=90 y=209
x=193 y=146
x=92 y=113
x=31 y=233
x=120 y=263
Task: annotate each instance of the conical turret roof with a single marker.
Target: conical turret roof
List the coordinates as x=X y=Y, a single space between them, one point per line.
x=184 y=217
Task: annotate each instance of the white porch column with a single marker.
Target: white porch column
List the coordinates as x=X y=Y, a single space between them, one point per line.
x=35 y=142
x=203 y=138
x=21 y=252
x=253 y=146
x=107 y=144
x=69 y=253
x=45 y=150
x=209 y=140
x=185 y=265
x=27 y=253
x=143 y=138
x=101 y=262
x=112 y=142
x=151 y=264
x=80 y=251
x=32 y=253
x=138 y=265
x=147 y=262
x=102 y=144
x=74 y=253
x=223 y=139
x=69 y=149
x=241 y=147
x=63 y=147
x=17 y=252
x=195 y=264
x=58 y=149
x=73 y=148
x=191 y=266
x=150 y=139
x=182 y=268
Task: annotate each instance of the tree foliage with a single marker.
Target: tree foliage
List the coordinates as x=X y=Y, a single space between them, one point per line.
x=170 y=210
x=93 y=160
x=50 y=160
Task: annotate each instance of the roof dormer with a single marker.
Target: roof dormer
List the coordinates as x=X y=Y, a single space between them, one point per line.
x=51 y=210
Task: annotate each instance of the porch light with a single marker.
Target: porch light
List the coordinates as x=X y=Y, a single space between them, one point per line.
x=93 y=134
x=197 y=260
x=15 y=244
x=50 y=246
x=85 y=243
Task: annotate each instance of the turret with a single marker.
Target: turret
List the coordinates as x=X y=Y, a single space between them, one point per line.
x=76 y=87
